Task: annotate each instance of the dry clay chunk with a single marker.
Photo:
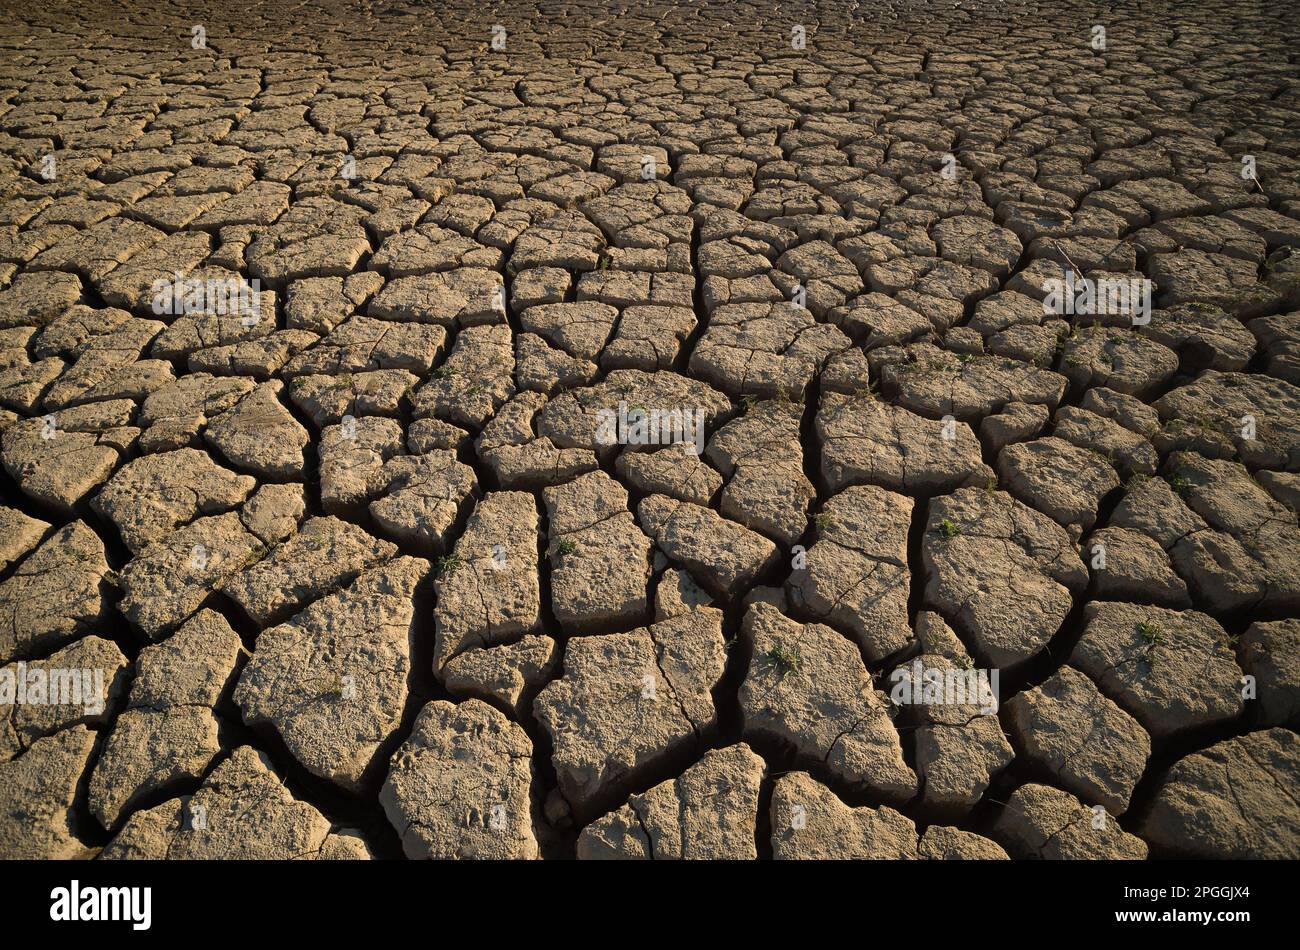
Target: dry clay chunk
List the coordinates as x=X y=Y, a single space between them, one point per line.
x=1171 y=670
x=165 y=584
x=79 y=684
x=332 y=681
x=866 y=441
x=706 y=813
x=1039 y=821
x=459 y=786
x=503 y=673
x=54 y=595
x=36 y=807
x=242 y=793
x=855 y=575
x=169 y=730
x=59 y=458
x=1271 y=653
x=600 y=559
x=19 y=533
x=724 y=555
x=1004 y=573
x=1094 y=748
x=959 y=745
x=260 y=435
x=488 y=589
x=809 y=822
x=154 y=495
x=807 y=687
x=323 y=555
x=1235 y=800
x=627 y=700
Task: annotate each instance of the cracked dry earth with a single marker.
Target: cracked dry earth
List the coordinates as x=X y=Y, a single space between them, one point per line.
x=365 y=577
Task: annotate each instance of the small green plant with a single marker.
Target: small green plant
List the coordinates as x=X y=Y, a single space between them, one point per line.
x=447 y=564
x=445 y=372
x=1150 y=632
x=870 y=391
x=1153 y=638
x=824 y=520
x=566 y=546
x=948 y=530
x=784 y=658
x=1180 y=484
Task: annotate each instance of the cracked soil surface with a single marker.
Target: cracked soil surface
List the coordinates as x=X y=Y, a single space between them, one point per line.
x=617 y=400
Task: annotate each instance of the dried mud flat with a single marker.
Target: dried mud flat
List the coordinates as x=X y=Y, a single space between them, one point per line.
x=386 y=562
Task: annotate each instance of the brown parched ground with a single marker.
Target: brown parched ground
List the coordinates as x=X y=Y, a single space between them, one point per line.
x=649 y=430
